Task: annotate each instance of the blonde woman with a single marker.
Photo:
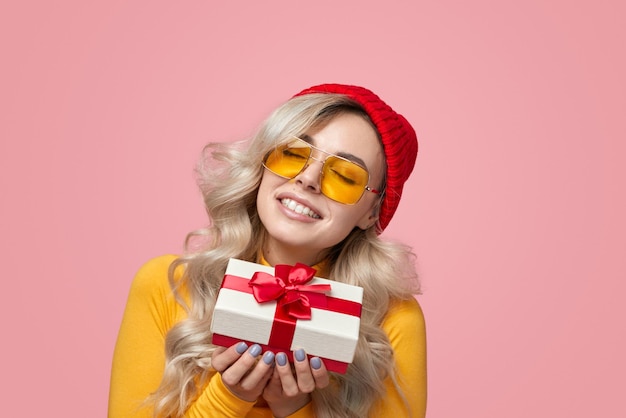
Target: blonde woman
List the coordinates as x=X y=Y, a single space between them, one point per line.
x=317 y=185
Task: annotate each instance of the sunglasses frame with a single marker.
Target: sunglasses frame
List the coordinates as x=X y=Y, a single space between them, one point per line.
x=323 y=161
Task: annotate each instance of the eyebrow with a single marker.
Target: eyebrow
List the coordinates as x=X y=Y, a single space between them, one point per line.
x=346 y=155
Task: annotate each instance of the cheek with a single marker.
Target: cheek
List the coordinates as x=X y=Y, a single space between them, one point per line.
x=265 y=198
x=268 y=183
x=347 y=217
x=263 y=194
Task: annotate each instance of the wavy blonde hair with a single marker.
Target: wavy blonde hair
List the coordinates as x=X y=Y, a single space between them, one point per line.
x=229 y=177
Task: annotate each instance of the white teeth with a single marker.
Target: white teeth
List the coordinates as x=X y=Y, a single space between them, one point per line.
x=298 y=208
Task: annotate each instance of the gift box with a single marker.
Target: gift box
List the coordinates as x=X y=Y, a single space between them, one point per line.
x=286 y=308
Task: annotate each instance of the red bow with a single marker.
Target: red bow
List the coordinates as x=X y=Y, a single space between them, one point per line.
x=289 y=290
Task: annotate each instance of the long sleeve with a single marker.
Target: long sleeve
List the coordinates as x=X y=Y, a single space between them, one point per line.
x=139 y=356
x=405 y=327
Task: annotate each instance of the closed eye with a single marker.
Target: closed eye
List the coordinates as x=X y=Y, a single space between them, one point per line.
x=295 y=153
x=343 y=178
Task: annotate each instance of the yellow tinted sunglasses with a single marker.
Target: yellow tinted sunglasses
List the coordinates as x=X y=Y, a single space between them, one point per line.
x=341 y=180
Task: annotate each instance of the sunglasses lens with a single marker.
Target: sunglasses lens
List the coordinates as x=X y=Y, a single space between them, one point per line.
x=343 y=180
x=287 y=161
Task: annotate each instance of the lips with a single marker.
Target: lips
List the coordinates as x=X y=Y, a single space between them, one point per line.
x=299 y=208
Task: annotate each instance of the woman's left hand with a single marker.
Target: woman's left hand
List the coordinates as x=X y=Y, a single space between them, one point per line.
x=289 y=390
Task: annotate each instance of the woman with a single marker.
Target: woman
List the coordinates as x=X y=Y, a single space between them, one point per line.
x=317 y=185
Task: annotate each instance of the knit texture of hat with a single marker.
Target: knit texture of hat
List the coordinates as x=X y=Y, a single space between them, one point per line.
x=398 y=138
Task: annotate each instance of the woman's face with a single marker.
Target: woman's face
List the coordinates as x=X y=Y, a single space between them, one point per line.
x=301 y=222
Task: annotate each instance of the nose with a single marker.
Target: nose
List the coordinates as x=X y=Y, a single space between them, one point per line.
x=310 y=176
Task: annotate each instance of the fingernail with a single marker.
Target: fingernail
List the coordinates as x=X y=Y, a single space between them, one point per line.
x=281 y=359
x=255 y=350
x=268 y=358
x=300 y=356
x=316 y=363
x=241 y=348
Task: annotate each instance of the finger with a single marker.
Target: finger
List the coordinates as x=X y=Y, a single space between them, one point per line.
x=274 y=380
x=232 y=375
x=306 y=382
x=273 y=387
x=223 y=357
x=261 y=373
x=320 y=374
x=287 y=379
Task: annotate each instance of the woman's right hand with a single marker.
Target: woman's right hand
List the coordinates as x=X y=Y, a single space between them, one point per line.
x=243 y=372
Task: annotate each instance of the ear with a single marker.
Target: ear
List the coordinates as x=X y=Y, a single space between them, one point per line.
x=368 y=220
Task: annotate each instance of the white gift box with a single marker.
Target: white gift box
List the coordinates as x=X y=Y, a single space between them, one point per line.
x=331 y=332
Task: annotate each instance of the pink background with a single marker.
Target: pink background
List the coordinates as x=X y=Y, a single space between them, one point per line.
x=516 y=207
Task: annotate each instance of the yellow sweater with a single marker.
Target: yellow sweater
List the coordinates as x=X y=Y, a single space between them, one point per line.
x=151 y=312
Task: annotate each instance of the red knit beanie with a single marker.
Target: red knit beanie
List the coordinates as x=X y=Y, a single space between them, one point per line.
x=398 y=138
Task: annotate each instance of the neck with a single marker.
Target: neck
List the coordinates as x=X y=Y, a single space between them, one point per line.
x=292 y=256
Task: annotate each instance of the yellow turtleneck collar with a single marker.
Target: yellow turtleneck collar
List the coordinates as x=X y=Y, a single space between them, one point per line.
x=321 y=267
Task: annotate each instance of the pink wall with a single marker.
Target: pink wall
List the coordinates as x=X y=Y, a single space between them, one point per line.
x=516 y=208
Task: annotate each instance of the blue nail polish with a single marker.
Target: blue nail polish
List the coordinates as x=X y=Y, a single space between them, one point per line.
x=281 y=359
x=268 y=358
x=255 y=350
x=300 y=356
x=316 y=363
x=241 y=348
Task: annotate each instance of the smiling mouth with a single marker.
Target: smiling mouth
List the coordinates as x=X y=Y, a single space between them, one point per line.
x=298 y=208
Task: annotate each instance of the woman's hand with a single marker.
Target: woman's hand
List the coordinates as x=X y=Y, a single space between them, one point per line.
x=243 y=372
x=289 y=390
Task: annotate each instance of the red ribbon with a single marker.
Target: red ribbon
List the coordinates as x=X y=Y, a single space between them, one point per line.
x=289 y=289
